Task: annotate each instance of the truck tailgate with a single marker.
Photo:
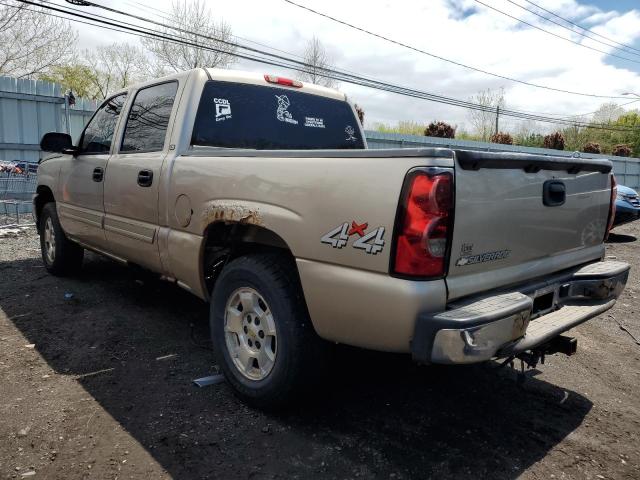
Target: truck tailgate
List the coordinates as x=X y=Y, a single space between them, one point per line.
x=519 y=216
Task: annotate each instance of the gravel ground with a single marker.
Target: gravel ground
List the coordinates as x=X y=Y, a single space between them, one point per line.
x=96 y=382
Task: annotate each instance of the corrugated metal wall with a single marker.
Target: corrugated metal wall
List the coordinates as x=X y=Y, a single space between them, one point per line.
x=31 y=108
x=627 y=170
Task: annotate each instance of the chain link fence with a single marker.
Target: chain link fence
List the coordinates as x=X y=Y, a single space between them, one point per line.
x=16 y=192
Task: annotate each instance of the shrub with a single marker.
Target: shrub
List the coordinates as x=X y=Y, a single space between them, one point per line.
x=530 y=140
x=440 y=129
x=591 y=147
x=622 y=150
x=554 y=140
x=502 y=137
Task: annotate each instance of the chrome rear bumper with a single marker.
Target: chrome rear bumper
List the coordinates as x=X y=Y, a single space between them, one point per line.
x=510 y=322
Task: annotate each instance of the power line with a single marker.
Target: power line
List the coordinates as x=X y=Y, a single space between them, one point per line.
x=580 y=26
x=577 y=115
x=336 y=74
x=163 y=15
x=371 y=83
x=419 y=50
x=554 y=34
x=442 y=99
x=90 y=23
x=570 y=29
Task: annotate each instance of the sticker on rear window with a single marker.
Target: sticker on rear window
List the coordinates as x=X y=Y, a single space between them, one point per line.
x=349 y=130
x=314 y=122
x=283 y=113
x=223 y=109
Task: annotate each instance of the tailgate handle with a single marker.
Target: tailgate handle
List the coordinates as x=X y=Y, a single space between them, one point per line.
x=554 y=193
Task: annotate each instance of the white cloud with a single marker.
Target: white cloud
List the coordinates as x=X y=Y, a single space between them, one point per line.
x=461 y=30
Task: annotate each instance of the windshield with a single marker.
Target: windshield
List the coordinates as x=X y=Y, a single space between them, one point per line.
x=236 y=115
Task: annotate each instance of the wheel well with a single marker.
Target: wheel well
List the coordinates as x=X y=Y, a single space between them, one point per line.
x=44 y=196
x=225 y=241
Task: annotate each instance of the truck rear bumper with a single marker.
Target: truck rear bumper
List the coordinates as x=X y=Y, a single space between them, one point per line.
x=510 y=322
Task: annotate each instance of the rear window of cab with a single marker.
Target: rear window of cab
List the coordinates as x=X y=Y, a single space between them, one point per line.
x=236 y=115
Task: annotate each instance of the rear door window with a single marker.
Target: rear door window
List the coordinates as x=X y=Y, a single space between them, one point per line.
x=235 y=115
x=148 y=118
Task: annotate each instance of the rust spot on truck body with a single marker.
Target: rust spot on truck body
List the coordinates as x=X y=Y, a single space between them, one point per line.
x=232 y=213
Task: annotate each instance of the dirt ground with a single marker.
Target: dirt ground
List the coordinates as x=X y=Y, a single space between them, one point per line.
x=96 y=382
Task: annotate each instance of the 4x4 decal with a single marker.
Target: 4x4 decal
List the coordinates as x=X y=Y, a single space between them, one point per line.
x=372 y=242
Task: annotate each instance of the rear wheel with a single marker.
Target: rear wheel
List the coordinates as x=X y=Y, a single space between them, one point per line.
x=60 y=255
x=250 y=333
x=261 y=332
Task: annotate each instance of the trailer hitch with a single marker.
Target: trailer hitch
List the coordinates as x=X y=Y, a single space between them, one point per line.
x=531 y=358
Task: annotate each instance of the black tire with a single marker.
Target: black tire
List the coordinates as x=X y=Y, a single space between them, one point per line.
x=65 y=258
x=299 y=360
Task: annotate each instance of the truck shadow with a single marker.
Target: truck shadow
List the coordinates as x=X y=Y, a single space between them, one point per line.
x=620 y=238
x=377 y=415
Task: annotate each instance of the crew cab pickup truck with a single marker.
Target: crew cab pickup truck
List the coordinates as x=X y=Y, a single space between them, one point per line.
x=258 y=194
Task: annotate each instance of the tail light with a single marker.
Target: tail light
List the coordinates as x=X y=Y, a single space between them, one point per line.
x=283 y=81
x=423 y=224
x=612 y=205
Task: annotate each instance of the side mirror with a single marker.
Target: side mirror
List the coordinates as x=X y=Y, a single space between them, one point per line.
x=57 y=143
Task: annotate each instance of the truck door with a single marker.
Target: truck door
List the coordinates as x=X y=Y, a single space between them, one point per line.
x=80 y=202
x=133 y=176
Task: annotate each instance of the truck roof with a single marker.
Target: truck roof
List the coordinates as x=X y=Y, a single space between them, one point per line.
x=258 y=79
x=240 y=76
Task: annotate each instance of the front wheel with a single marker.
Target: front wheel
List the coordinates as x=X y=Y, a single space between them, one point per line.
x=60 y=255
x=261 y=332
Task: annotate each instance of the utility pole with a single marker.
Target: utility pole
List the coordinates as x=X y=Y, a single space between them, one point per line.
x=67 y=115
x=69 y=101
x=497 y=118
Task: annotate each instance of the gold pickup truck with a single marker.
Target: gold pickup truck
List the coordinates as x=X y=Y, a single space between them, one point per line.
x=257 y=193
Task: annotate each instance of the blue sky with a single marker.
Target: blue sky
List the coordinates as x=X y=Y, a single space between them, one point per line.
x=620 y=5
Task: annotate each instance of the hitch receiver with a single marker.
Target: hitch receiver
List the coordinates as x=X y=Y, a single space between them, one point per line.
x=561 y=344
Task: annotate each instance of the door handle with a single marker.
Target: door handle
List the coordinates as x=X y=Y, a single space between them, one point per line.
x=98 y=174
x=145 y=178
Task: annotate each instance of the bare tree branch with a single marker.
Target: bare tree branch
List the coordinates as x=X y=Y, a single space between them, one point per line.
x=484 y=121
x=31 y=42
x=194 y=16
x=316 y=57
x=116 y=66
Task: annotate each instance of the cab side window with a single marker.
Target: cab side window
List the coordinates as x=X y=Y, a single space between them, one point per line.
x=149 y=118
x=98 y=134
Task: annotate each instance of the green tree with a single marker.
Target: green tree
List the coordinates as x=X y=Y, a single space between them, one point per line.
x=576 y=136
x=74 y=77
x=629 y=120
x=406 y=127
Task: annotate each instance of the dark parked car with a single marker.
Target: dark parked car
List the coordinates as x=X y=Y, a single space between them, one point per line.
x=627 y=205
